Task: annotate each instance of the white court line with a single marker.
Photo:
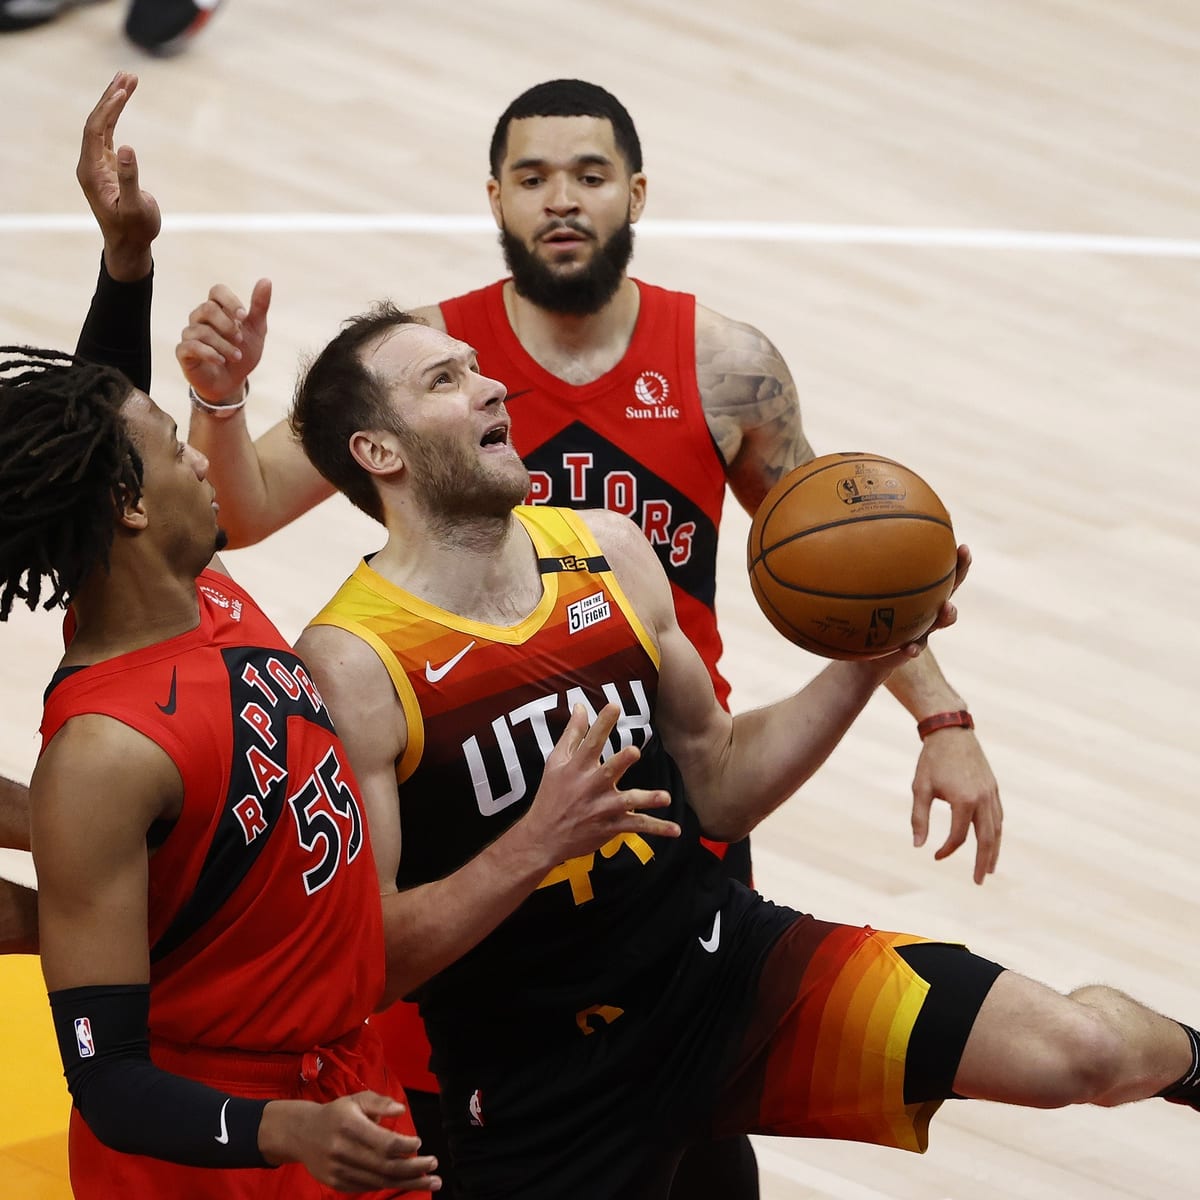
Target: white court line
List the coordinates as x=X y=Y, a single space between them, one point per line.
x=752 y=231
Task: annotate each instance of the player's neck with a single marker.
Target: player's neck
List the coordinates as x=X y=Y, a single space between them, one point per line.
x=125 y=610
x=577 y=349
x=484 y=571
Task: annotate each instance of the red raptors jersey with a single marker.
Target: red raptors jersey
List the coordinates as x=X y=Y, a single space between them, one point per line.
x=634 y=441
x=485 y=705
x=265 y=923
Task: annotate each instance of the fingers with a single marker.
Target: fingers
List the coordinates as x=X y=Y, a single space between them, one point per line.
x=127 y=179
x=217 y=324
x=922 y=802
x=571 y=737
x=962 y=566
x=987 y=836
x=960 y=824
x=594 y=741
x=634 y=821
x=379 y=1156
x=102 y=121
x=260 y=301
x=587 y=742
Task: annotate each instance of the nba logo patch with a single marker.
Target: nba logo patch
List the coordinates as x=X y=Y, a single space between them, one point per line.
x=83 y=1037
x=475 y=1108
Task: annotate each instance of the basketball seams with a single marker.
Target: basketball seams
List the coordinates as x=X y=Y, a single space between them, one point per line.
x=833 y=580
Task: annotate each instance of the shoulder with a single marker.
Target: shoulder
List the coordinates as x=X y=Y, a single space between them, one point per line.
x=724 y=342
x=616 y=535
x=94 y=759
x=431 y=315
x=359 y=692
x=337 y=651
x=633 y=561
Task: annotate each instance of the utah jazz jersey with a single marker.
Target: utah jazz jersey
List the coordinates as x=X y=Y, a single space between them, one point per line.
x=265 y=924
x=485 y=705
x=634 y=441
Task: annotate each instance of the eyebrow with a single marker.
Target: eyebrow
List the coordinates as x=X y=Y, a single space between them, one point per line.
x=580 y=160
x=468 y=359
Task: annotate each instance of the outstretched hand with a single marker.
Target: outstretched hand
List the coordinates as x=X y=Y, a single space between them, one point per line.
x=578 y=806
x=128 y=217
x=223 y=342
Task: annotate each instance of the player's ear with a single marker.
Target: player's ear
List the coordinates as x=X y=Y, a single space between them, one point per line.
x=376 y=451
x=493 y=194
x=132 y=515
x=637 y=196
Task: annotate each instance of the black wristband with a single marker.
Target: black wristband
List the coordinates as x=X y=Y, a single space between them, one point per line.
x=129 y=1103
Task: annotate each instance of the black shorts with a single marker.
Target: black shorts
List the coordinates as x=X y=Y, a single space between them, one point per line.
x=765 y=1016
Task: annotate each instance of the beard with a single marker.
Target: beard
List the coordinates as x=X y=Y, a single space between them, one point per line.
x=221 y=541
x=579 y=293
x=453 y=486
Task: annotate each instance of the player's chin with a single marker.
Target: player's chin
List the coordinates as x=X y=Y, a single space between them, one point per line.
x=220 y=541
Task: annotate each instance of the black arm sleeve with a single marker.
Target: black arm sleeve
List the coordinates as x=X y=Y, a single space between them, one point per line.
x=129 y=1103
x=116 y=331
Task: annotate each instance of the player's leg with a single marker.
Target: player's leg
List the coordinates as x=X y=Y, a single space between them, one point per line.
x=717 y=1170
x=1033 y=1046
x=724 y=1169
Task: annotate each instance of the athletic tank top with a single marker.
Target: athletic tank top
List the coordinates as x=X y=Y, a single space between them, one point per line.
x=634 y=441
x=485 y=705
x=265 y=924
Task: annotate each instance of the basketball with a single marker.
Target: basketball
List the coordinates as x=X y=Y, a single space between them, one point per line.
x=851 y=555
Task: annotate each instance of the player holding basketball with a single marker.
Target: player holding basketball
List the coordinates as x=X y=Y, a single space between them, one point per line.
x=210 y=926
x=596 y=362
x=574 y=1045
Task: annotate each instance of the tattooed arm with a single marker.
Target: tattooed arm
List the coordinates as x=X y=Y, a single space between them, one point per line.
x=750 y=404
x=753 y=413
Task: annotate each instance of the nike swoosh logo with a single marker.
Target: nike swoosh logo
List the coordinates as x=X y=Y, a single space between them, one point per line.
x=169 y=707
x=515 y=395
x=433 y=674
x=223 y=1136
x=713 y=940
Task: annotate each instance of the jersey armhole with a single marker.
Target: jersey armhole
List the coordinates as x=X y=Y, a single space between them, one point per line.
x=400 y=681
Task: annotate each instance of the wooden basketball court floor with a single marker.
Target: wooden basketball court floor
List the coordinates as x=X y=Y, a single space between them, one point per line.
x=973 y=230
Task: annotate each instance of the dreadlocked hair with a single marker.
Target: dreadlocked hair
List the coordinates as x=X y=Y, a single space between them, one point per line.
x=67 y=466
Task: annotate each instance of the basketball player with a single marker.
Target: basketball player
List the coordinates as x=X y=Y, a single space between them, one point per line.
x=198 y=833
x=623 y=396
x=574 y=1044
x=174 y=889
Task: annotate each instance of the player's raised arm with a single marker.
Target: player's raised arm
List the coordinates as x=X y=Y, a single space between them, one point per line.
x=262 y=484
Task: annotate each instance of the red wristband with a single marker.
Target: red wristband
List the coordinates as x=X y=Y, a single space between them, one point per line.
x=947 y=720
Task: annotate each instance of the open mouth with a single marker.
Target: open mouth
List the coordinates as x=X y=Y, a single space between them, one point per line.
x=496 y=436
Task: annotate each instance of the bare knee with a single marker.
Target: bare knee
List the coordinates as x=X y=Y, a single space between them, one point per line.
x=1085 y=1059
x=1033 y=1046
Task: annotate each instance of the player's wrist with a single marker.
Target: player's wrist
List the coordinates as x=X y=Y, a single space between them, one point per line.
x=128 y=263
x=958 y=718
x=281 y=1129
x=224 y=407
